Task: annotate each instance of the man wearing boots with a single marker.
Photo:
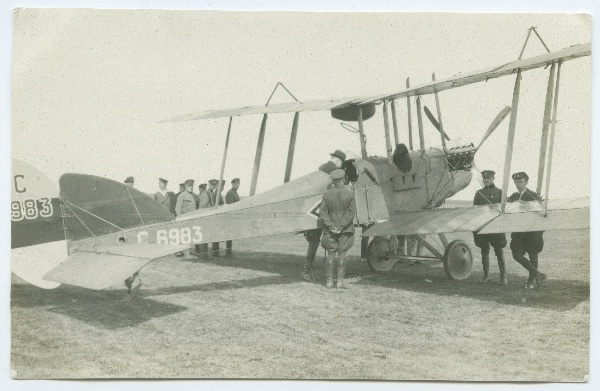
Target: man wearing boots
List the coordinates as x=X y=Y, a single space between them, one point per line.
x=531 y=243
x=231 y=198
x=313 y=236
x=337 y=211
x=490 y=194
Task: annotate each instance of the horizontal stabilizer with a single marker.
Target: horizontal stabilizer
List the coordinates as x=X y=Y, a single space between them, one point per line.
x=529 y=216
x=109 y=266
x=431 y=221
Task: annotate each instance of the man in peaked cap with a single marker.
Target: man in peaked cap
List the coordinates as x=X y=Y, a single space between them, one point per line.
x=337 y=211
x=162 y=196
x=313 y=236
x=209 y=199
x=531 y=243
x=490 y=194
x=231 y=198
x=129 y=181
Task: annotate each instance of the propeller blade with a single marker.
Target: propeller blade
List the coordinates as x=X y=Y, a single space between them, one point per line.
x=435 y=122
x=477 y=173
x=495 y=123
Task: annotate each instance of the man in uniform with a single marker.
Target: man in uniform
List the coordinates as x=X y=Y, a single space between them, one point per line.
x=201 y=189
x=162 y=196
x=313 y=236
x=231 y=198
x=129 y=181
x=186 y=203
x=337 y=211
x=531 y=243
x=208 y=199
x=490 y=194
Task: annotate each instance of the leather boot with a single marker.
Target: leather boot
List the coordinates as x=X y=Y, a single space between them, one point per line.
x=531 y=278
x=485 y=260
x=329 y=270
x=341 y=284
x=502 y=267
x=307 y=273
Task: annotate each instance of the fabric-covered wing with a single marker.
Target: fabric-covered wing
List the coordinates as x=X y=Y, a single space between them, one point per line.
x=433 y=221
x=529 y=216
x=429 y=88
x=460 y=80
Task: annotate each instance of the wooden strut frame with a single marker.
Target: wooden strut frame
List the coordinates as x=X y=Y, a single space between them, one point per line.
x=220 y=184
x=551 y=143
x=511 y=139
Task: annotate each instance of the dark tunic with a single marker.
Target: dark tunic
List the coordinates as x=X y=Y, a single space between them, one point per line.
x=232 y=196
x=337 y=210
x=489 y=195
x=530 y=242
x=401 y=158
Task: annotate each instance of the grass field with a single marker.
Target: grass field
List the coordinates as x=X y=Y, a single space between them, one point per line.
x=252 y=317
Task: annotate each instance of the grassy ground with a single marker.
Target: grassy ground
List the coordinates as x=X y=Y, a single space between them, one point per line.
x=252 y=317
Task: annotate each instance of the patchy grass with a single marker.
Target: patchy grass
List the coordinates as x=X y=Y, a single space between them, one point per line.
x=252 y=317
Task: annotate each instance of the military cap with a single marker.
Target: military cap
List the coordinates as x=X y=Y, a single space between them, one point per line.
x=487 y=173
x=213 y=181
x=189 y=182
x=520 y=175
x=129 y=179
x=339 y=154
x=163 y=180
x=202 y=185
x=337 y=174
x=235 y=180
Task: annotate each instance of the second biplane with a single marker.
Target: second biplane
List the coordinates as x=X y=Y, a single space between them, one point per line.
x=110 y=231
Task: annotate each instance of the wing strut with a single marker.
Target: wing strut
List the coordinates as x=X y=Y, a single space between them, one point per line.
x=220 y=184
x=386 y=125
x=545 y=126
x=395 y=123
x=420 y=122
x=363 y=138
x=552 y=132
x=410 y=140
x=511 y=138
x=290 y=158
x=258 y=155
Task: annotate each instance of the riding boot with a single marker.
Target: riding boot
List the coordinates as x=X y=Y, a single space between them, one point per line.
x=307 y=273
x=531 y=278
x=485 y=260
x=501 y=266
x=341 y=272
x=329 y=269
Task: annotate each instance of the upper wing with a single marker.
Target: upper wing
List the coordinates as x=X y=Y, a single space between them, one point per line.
x=424 y=89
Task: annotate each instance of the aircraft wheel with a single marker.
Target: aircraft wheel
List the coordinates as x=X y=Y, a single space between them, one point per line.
x=377 y=255
x=458 y=260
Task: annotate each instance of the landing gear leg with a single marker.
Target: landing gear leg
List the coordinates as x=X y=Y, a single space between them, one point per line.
x=129 y=283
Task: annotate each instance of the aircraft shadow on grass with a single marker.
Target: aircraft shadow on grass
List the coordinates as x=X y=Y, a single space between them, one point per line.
x=556 y=295
x=101 y=309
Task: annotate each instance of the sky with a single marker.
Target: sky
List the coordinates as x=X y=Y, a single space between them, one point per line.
x=91 y=87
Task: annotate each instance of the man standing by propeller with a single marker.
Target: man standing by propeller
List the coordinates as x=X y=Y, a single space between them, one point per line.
x=490 y=194
x=531 y=243
x=337 y=211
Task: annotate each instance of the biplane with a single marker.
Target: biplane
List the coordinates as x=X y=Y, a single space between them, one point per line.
x=95 y=233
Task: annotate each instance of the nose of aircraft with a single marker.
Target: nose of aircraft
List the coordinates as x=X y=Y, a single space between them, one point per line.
x=462 y=179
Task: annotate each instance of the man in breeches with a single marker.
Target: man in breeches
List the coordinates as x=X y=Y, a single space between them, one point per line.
x=337 y=212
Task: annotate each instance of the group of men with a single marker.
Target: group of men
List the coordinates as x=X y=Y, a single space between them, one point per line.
x=521 y=243
x=188 y=201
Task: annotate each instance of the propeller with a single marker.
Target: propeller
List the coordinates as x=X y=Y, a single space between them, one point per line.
x=495 y=123
x=435 y=122
x=499 y=118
